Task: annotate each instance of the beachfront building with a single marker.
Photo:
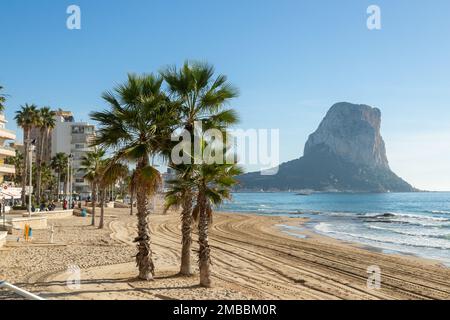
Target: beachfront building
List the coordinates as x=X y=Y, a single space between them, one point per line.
x=5 y=150
x=70 y=137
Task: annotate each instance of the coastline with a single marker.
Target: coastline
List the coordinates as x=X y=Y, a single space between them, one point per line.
x=252 y=259
x=314 y=234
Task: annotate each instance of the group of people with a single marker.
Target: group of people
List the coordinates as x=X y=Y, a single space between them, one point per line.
x=52 y=206
x=44 y=207
x=66 y=204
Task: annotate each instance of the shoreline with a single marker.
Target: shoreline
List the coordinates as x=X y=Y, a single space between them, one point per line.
x=252 y=259
x=311 y=233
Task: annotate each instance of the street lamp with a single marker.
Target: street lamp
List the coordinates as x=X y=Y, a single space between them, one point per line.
x=31 y=144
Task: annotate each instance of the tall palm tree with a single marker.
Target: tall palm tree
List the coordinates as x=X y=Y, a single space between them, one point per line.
x=213 y=183
x=46 y=122
x=138 y=124
x=2 y=100
x=26 y=118
x=201 y=96
x=59 y=165
x=110 y=173
x=91 y=165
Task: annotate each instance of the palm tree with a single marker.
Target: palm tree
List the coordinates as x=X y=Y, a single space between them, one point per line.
x=180 y=194
x=26 y=118
x=2 y=100
x=46 y=123
x=110 y=172
x=138 y=124
x=17 y=162
x=47 y=179
x=59 y=165
x=213 y=183
x=201 y=97
x=91 y=165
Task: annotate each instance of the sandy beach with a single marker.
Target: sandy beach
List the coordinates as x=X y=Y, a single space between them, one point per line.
x=252 y=259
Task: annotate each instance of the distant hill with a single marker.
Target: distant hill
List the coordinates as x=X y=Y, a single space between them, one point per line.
x=346 y=153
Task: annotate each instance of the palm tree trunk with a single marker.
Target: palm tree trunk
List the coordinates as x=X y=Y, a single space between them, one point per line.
x=66 y=184
x=94 y=199
x=204 y=260
x=131 y=201
x=102 y=210
x=59 y=184
x=186 y=229
x=38 y=167
x=144 y=256
x=26 y=134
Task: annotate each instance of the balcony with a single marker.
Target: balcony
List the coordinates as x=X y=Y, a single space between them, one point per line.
x=82 y=138
x=7 y=151
x=7 y=169
x=7 y=134
x=81 y=151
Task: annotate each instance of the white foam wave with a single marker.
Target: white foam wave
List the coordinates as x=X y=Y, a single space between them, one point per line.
x=327 y=228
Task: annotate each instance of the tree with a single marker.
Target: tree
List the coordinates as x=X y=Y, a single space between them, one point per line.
x=59 y=165
x=46 y=122
x=47 y=179
x=26 y=118
x=110 y=173
x=138 y=124
x=201 y=97
x=2 y=100
x=213 y=183
x=91 y=165
x=18 y=163
x=132 y=189
x=180 y=195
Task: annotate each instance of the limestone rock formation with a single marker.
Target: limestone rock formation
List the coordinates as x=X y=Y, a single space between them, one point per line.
x=352 y=132
x=346 y=153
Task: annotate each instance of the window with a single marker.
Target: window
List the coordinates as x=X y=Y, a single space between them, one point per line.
x=77 y=129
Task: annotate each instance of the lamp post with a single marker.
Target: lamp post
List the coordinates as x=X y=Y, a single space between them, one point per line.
x=31 y=147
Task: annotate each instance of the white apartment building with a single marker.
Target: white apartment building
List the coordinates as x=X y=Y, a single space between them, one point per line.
x=6 y=151
x=74 y=138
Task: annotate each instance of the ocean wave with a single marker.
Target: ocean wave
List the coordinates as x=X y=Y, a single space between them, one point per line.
x=418 y=243
x=439 y=212
x=408 y=215
x=423 y=232
x=406 y=218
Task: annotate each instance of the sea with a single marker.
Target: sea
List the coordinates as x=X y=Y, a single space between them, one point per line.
x=408 y=223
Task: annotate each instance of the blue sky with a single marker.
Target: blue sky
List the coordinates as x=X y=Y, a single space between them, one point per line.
x=291 y=60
